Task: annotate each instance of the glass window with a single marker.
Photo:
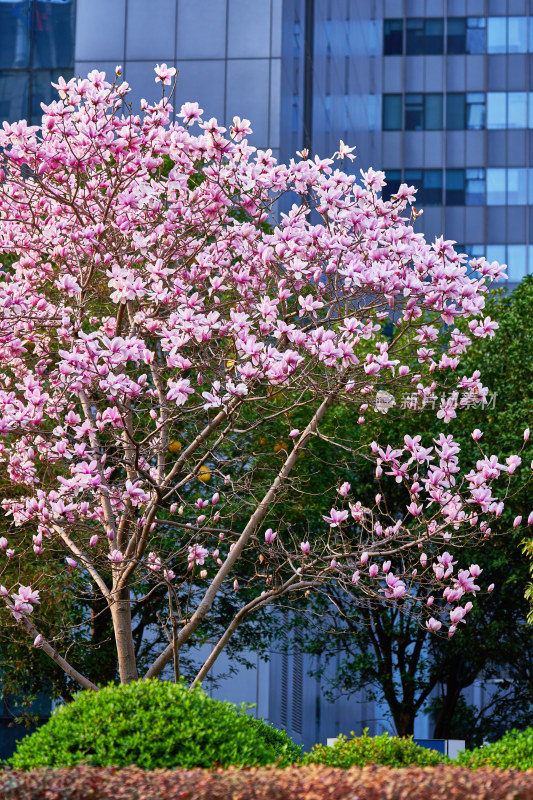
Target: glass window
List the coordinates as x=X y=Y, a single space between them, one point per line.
x=414 y=38
x=455 y=187
x=475 y=111
x=497 y=35
x=15 y=27
x=393 y=37
x=432 y=187
x=516 y=261
x=434 y=36
x=496 y=187
x=495 y=252
x=14 y=87
x=414 y=112
x=43 y=92
x=517 y=34
x=455 y=111
x=433 y=112
x=424 y=36
x=392 y=112
x=429 y=185
x=394 y=179
x=475 y=187
x=517 y=186
x=496 y=110
x=476 y=35
x=517 y=109
x=53 y=37
x=456 y=35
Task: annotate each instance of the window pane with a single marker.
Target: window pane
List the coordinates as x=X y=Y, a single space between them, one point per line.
x=53 y=37
x=516 y=261
x=517 y=110
x=475 y=111
x=456 y=35
x=517 y=34
x=394 y=179
x=476 y=35
x=496 y=187
x=414 y=112
x=496 y=252
x=14 y=95
x=455 y=187
x=475 y=187
x=393 y=37
x=496 y=110
x=517 y=187
x=392 y=112
x=433 y=112
x=15 y=20
x=497 y=35
x=43 y=92
x=432 y=187
x=455 y=111
x=434 y=44
x=415 y=35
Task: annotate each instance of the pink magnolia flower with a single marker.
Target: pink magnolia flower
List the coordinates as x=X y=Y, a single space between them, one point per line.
x=336 y=517
x=270 y=535
x=115 y=557
x=164 y=74
x=433 y=625
x=305 y=548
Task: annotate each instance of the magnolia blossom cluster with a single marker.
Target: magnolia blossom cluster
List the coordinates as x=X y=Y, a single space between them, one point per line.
x=156 y=316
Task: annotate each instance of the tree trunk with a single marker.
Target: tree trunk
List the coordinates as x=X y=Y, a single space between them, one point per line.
x=443 y=722
x=404 y=721
x=121 y=613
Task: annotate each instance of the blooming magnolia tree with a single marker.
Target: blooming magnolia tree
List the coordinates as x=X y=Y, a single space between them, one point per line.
x=157 y=322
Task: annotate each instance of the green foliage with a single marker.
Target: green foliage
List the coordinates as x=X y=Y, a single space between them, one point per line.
x=154 y=725
x=391 y=751
x=513 y=751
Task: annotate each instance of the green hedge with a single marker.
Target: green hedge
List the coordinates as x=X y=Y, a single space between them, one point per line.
x=513 y=751
x=359 y=751
x=153 y=724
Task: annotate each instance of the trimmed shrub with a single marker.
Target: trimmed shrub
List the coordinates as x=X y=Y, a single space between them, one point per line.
x=153 y=724
x=391 y=751
x=513 y=751
x=315 y=782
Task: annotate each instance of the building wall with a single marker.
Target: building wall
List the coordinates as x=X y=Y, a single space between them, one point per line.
x=227 y=53
x=486 y=70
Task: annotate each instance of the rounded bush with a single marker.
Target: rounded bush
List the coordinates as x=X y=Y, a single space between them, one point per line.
x=391 y=751
x=513 y=751
x=153 y=724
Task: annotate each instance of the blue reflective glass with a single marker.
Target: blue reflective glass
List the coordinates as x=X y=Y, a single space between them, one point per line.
x=393 y=37
x=475 y=187
x=53 y=36
x=394 y=179
x=517 y=110
x=516 y=261
x=42 y=90
x=517 y=186
x=517 y=34
x=476 y=35
x=496 y=34
x=496 y=110
x=496 y=187
x=392 y=112
x=455 y=187
x=495 y=252
x=475 y=111
x=15 y=36
x=14 y=88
